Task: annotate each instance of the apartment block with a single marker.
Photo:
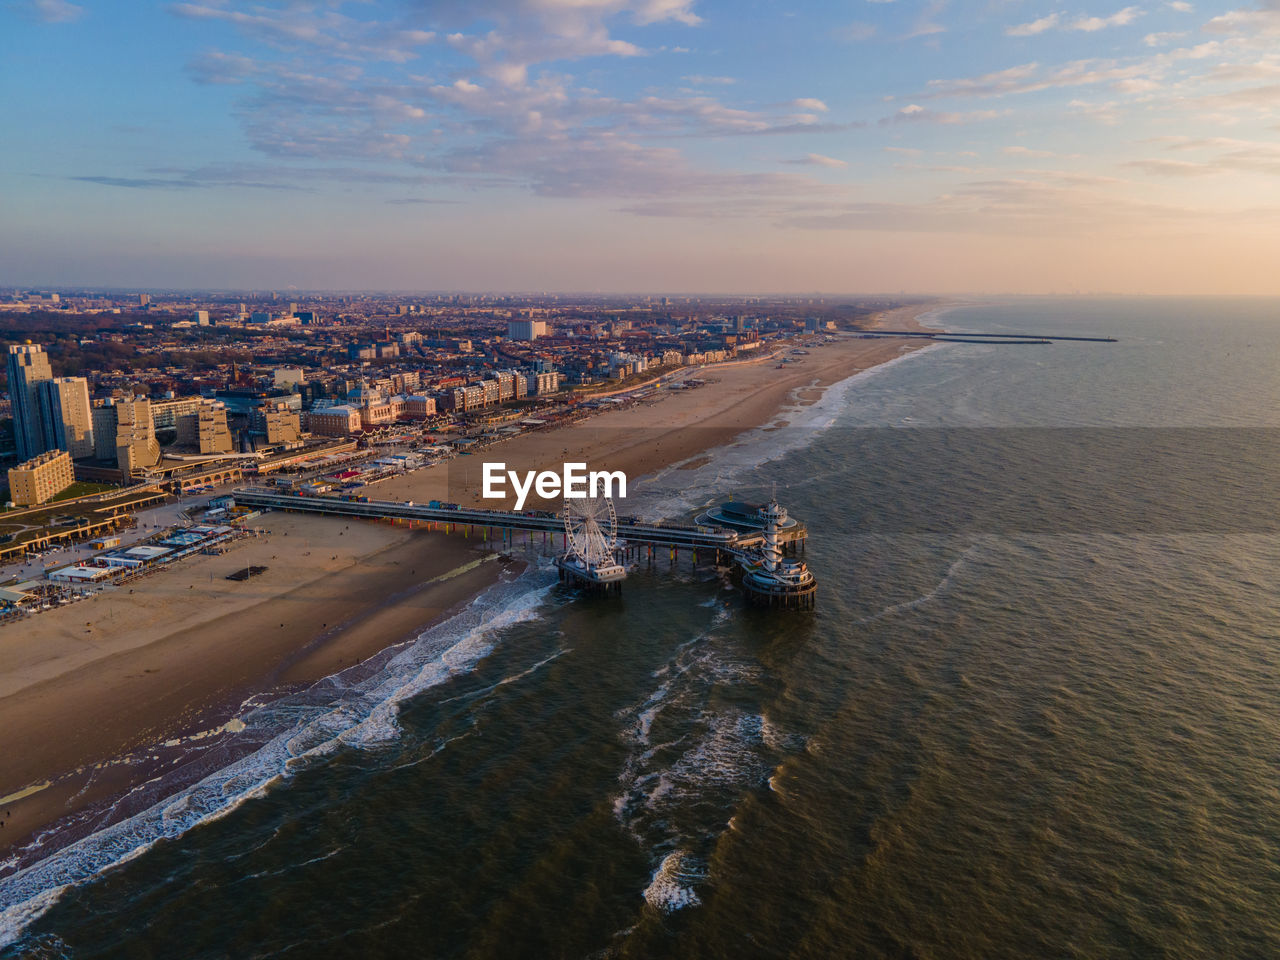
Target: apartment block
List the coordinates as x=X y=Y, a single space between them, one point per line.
x=41 y=478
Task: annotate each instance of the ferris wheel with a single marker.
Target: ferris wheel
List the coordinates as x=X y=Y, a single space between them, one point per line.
x=590 y=529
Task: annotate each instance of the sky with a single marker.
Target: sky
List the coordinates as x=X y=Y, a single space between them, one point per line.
x=647 y=146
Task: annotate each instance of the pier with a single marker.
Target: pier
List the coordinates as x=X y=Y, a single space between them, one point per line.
x=663 y=535
x=593 y=538
x=958 y=336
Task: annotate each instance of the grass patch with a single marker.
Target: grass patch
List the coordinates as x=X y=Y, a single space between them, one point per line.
x=81 y=488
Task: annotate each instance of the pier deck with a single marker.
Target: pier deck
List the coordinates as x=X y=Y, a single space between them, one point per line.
x=666 y=535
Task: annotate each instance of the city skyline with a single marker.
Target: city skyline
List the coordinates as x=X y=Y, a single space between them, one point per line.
x=664 y=146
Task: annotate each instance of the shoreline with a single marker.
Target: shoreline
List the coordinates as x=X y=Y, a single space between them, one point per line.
x=103 y=715
x=665 y=431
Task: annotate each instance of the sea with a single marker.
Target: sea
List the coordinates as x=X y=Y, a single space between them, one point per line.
x=1036 y=712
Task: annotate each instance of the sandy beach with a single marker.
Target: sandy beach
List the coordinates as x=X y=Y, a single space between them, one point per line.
x=676 y=427
x=90 y=693
x=179 y=652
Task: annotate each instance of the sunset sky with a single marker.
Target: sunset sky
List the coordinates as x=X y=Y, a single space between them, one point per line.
x=643 y=145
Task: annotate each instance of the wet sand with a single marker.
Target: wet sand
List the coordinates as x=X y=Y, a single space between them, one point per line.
x=90 y=689
x=675 y=427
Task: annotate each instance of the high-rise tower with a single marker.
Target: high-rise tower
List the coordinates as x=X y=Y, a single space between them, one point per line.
x=28 y=366
x=65 y=415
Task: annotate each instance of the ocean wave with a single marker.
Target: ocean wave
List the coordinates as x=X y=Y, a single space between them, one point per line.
x=671 y=887
x=938 y=589
x=691 y=760
x=676 y=490
x=311 y=725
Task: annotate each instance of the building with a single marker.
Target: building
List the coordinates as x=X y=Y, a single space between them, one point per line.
x=281 y=424
x=285 y=377
x=136 y=445
x=336 y=421
x=418 y=407
x=27 y=366
x=104 y=430
x=65 y=415
x=520 y=329
x=41 y=478
x=464 y=399
x=543 y=383
x=205 y=428
x=213 y=435
x=166 y=413
x=201 y=318
x=506 y=385
x=438 y=343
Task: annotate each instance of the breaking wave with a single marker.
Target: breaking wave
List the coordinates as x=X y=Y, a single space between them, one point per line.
x=299 y=729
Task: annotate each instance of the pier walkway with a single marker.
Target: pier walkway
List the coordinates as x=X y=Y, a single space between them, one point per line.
x=666 y=535
x=953 y=334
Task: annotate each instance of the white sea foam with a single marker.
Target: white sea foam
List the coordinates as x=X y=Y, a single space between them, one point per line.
x=671 y=887
x=938 y=590
x=673 y=490
x=361 y=714
x=670 y=790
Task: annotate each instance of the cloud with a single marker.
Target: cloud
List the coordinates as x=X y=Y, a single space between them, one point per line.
x=298 y=26
x=1054 y=21
x=1232 y=155
x=49 y=11
x=997 y=83
x=507 y=38
x=818 y=160
x=1265 y=97
x=185 y=182
x=300 y=114
x=615 y=167
x=926 y=23
x=410 y=201
x=1034 y=27
x=1019 y=151
x=1180 y=5
x=1053 y=203
x=1120 y=18
x=501 y=117
x=1172 y=168
x=1160 y=39
x=914 y=113
x=1106 y=112
x=1263 y=22
x=809 y=103
x=138 y=183
x=1033 y=206
x=1135 y=76
x=275 y=176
